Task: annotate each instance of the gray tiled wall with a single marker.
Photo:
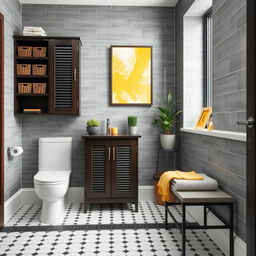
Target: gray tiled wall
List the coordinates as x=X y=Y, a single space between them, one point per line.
x=13 y=167
x=99 y=28
x=222 y=159
x=229 y=64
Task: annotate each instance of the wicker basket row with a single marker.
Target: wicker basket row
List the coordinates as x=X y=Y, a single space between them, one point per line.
x=39 y=88
x=26 y=51
x=37 y=69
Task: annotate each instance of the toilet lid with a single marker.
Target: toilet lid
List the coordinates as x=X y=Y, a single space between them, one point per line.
x=51 y=176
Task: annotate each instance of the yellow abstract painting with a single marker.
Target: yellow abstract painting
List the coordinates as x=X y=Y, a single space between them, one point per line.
x=131 y=75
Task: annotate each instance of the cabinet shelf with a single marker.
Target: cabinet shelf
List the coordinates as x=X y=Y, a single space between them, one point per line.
x=31 y=58
x=31 y=76
x=32 y=114
x=31 y=94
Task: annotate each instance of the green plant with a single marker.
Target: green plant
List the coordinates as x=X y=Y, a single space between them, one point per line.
x=132 y=120
x=167 y=114
x=93 y=123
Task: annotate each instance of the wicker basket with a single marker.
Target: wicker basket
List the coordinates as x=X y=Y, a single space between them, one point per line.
x=23 y=69
x=39 y=69
x=39 y=51
x=39 y=88
x=24 y=87
x=24 y=51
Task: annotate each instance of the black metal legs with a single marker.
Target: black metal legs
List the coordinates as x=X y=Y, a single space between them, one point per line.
x=136 y=206
x=205 y=216
x=183 y=228
x=231 y=230
x=166 y=215
x=85 y=207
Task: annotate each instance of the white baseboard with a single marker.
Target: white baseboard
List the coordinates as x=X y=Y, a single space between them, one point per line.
x=220 y=237
x=12 y=205
x=74 y=195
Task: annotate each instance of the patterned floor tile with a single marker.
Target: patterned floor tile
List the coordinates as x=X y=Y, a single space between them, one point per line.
x=149 y=212
x=125 y=239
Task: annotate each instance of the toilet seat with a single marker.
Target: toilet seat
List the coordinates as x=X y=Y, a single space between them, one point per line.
x=51 y=177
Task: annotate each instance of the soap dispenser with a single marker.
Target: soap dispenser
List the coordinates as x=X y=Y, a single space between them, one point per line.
x=108 y=127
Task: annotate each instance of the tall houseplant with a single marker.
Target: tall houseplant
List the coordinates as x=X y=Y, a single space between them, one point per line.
x=166 y=120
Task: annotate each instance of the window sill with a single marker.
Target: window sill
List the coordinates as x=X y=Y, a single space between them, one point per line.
x=217 y=133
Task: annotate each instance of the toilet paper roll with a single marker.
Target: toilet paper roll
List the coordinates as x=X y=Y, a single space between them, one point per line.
x=16 y=151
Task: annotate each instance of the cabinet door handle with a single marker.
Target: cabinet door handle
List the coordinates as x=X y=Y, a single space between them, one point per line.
x=109 y=153
x=114 y=153
x=74 y=74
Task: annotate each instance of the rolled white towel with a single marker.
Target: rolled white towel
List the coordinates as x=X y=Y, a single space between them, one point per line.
x=193 y=185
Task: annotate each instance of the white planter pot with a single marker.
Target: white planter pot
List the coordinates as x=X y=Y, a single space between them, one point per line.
x=133 y=130
x=167 y=141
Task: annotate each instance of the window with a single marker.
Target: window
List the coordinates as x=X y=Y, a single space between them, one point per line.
x=208 y=59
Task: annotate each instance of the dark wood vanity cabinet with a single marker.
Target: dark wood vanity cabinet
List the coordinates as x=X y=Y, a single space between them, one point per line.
x=60 y=77
x=111 y=169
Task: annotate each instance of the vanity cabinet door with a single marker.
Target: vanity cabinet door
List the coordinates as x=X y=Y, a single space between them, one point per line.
x=124 y=168
x=97 y=176
x=64 y=76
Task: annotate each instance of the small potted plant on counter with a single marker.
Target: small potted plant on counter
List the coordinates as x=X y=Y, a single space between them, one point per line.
x=166 y=121
x=132 y=123
x=93 y=127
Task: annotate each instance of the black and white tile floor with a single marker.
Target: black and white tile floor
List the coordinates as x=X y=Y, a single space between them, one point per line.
x=149 y=212
x=101 y=234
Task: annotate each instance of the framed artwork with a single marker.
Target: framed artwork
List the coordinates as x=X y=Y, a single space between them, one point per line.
x=131 y=76
x=203 y=118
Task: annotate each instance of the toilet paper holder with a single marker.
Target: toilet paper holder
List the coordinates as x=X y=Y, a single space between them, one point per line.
x=14 y=151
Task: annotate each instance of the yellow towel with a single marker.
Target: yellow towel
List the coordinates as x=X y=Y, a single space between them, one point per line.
x=165 y=179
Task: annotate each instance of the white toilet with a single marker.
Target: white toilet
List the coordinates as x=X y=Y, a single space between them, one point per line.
x=52 y=180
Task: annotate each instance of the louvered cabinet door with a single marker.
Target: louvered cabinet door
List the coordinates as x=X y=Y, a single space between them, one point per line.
x=64 y=77
x=98 y=180
x=124 y=168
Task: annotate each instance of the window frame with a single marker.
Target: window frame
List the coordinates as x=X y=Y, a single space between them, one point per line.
x=207 y=59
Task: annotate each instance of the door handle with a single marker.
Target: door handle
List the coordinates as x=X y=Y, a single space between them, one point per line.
x=74 y=74
x=114 y=153
x=109 y=153
x=249 y=122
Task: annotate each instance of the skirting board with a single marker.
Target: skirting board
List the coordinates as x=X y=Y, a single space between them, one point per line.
x=74 y=195
x=220 y=237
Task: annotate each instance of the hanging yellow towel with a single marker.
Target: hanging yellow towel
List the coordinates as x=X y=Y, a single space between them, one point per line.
x=166 y=178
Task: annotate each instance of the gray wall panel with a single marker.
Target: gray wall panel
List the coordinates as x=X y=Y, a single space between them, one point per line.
x=13 y=167
x=100 y=27
x=221 y=159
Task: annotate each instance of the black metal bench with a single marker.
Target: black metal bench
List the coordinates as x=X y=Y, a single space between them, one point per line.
x=205 y=199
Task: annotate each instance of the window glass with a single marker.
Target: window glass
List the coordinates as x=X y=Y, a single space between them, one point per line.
x=208 y=58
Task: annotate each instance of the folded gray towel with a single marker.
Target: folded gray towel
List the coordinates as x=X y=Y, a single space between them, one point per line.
x=206 y=184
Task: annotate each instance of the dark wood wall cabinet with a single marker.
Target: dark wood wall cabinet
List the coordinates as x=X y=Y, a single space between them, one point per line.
x=46 y=75
x=111 y=169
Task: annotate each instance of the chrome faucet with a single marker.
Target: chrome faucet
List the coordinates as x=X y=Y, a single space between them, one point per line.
x=108 y=127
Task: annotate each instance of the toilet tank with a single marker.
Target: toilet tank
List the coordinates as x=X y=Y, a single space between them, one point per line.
x=55 y=153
